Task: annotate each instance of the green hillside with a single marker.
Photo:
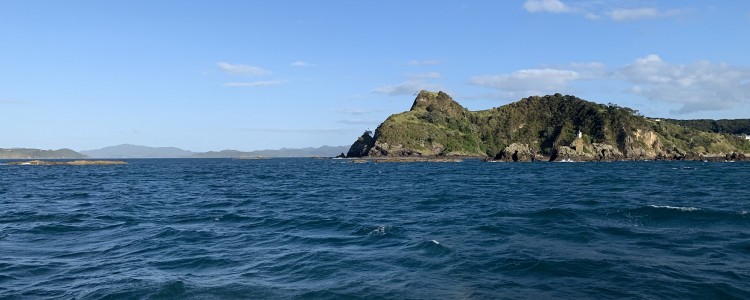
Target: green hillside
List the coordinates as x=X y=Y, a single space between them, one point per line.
x=540 y=128
x=738 y=127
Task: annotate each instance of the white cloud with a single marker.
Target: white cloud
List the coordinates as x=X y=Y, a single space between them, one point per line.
x=528 y=81
x=625 y=14
x=699 y=86
x=694 y=87
x=408 y=87
x=632 y=14
x=595 y=10
x=426 y=75
x=242 y=69
x=590 y=70
x=550 y=6
x=254 y=83
x=301 y=64
x=424 y=62
x=592 y=16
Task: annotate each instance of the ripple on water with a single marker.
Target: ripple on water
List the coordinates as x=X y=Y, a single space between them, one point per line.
x=317 y=229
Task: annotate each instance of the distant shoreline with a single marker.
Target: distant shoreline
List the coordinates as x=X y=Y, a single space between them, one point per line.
x=67 y=163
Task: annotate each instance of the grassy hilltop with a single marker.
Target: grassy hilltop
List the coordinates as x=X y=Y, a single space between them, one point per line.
x=544 y=128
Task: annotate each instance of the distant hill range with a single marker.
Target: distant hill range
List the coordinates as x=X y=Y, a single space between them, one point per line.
x=135 y=151
x=552 y=127
x=324 y=151
x=25 y=153
x=125 y=151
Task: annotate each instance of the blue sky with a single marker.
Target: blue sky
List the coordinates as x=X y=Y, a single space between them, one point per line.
x=247 y=75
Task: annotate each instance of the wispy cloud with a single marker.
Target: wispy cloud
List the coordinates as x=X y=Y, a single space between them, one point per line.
x=358 y=122
x=629 y=14
x=425 y=75
x=357 y=111
x=408 y=87
x=699 y=86
x=550 y=6
x=591 y=70
x=302 y=64
x=426 y=62
x=298 y=130
x=599 y=10
x=254 y=83
x=528 y=81
x=633 y=14
x=242 y=69
x=592 y=16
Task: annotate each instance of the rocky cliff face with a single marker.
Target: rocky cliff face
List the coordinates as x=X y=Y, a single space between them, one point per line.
x=519 y=152
x=540 y=128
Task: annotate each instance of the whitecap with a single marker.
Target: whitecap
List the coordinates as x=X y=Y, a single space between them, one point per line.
x=676 y=207
x=380 y=230
x=436 y=242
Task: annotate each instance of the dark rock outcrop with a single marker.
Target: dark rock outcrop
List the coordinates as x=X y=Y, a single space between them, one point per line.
x=362 y=145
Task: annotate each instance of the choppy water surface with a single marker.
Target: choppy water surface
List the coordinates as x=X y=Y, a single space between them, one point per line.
x=306 y=228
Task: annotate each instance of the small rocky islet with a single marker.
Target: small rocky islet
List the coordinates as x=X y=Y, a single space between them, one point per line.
x=546 y=128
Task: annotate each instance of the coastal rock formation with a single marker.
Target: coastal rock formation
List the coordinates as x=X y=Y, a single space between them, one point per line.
x=604 y=152
x=552 y=127
x=517 y=152
x=362 y=146
x=592 y=152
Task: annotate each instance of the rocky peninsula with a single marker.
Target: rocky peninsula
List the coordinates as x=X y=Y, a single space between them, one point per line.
x=548 y=128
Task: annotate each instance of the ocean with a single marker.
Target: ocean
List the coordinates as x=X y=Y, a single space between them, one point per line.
x=331 y=229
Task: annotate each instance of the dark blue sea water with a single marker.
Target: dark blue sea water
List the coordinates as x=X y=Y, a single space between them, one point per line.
x=316 y=229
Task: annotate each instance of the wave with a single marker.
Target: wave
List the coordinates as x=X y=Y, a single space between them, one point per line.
x=380 y=231
x=686 y=214
x=431 y=248
x=682 y=208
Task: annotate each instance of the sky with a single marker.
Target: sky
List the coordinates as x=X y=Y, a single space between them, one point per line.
x=250 y=75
